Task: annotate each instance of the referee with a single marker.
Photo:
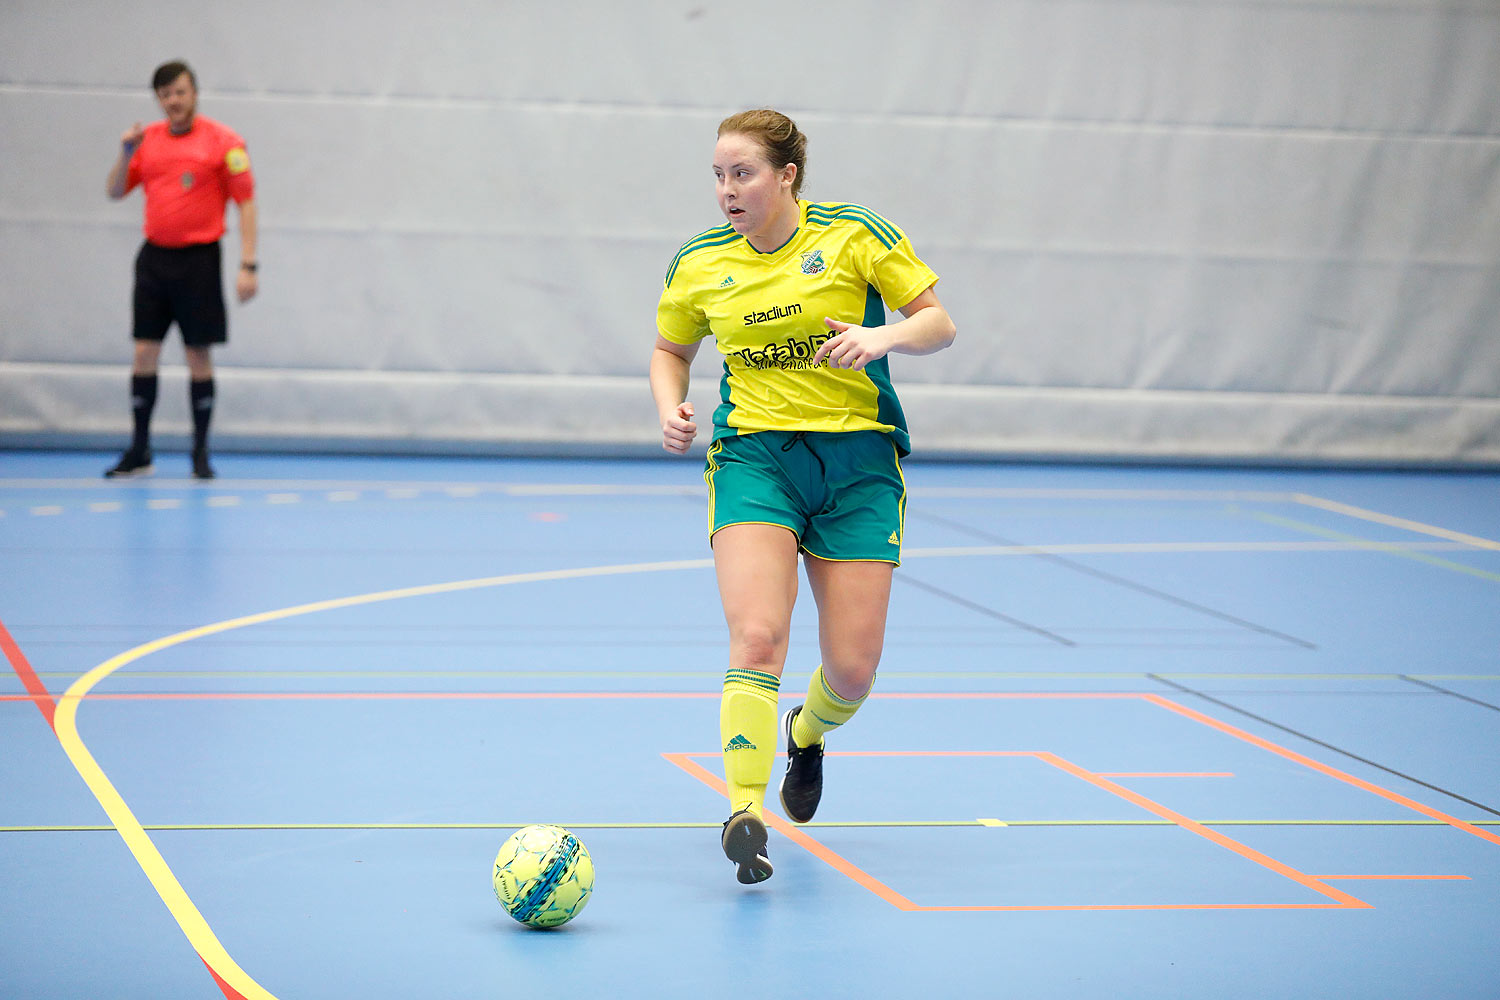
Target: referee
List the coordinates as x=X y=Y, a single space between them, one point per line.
x=189 y=167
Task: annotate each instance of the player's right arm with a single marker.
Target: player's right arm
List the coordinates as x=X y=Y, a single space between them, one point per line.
x=116 y=184
x=671 y=365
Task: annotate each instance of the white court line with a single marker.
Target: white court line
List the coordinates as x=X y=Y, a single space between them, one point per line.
x=1107 y=548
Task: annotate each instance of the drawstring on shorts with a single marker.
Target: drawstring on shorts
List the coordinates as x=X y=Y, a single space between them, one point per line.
x=801 y=436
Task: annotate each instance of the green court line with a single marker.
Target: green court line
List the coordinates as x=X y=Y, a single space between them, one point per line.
x=719 y=674
x=1389 y=548
x=861 y=824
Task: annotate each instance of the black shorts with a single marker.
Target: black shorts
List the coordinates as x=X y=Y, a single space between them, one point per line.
x=182 y=284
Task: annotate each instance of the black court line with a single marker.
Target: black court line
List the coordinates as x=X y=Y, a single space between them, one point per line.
x=1455 y=694
x=1121 y=581
x=1328 y=746
x=982 y=609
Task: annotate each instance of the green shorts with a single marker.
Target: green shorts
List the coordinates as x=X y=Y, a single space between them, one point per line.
x=841 y=494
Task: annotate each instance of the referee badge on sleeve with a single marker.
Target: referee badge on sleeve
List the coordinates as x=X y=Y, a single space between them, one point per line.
x=237 y=160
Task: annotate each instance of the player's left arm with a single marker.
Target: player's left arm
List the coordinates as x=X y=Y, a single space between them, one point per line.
x=926 y=329
x=248 y=281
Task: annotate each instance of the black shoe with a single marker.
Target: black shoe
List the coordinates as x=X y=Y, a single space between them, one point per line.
x=201 y=468
x=802 y=785
x=135 y=462
x=745 y=844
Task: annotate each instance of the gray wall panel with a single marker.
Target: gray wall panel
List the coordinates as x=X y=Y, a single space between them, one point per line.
x=1259 y=229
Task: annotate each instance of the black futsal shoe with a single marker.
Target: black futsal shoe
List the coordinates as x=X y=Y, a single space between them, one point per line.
x=201 y=468
x=745 y=844
x=135 y=462
x=802 y=785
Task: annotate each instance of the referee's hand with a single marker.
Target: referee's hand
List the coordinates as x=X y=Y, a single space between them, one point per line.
x=131 y=138
x=246 y=285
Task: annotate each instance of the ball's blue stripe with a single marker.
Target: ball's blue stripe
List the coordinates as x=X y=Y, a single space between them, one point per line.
x=559 y=861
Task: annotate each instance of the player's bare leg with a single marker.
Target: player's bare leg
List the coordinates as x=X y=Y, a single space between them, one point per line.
x=756 y=566
x=852 y=599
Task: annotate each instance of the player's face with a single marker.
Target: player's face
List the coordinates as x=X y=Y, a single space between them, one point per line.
x=754 y=196
x=179 y=100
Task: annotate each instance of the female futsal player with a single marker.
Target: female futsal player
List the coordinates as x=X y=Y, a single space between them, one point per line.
x=806 y=448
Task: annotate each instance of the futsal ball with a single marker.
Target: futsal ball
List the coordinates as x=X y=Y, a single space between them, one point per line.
x=543 y=876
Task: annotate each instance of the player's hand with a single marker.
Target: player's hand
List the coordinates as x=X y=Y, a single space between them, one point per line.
x=246 y=285
x=678 y=429
x=851 y=346
x=131 y=138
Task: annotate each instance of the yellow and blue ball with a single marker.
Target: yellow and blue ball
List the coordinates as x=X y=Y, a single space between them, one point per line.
x=543 y=876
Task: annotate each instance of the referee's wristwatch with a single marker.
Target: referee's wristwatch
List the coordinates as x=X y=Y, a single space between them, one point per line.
x=249 y=265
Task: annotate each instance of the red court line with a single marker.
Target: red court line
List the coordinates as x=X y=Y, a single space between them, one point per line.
x=37 y=691
x=1394 y=878
x=230 y=993
x=45 y=703
x=367 y=695
x=521 y=695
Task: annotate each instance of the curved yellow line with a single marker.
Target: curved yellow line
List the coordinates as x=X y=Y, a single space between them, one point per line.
x=199 y=934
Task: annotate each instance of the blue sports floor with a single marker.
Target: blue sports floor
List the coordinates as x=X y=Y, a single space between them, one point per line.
x=1138 y=733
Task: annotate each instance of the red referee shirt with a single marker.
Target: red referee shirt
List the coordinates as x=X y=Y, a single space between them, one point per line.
x=188 y=180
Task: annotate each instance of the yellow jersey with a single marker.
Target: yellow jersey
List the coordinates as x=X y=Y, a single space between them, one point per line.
x=765 y=312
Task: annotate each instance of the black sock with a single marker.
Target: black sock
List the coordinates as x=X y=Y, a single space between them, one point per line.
x=142 y=402
x=201 y=394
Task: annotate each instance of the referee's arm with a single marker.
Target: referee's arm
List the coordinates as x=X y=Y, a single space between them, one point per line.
x=114 y=186
x=247 y=282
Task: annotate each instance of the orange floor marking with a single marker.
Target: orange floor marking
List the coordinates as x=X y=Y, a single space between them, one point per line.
x=1165 y=774
x=1321 y=768
x=1101 y=780
x=1341 y=900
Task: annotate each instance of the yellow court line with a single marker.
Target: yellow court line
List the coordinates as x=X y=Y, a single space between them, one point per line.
x=155 y=867
x=196 y=928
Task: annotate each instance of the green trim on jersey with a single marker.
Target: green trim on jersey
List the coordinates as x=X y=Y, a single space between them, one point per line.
x=765 y=312
x=824 y=214
x=714 y=237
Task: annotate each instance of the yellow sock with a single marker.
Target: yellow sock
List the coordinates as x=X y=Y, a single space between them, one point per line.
x=747 y=731
x=823 y=710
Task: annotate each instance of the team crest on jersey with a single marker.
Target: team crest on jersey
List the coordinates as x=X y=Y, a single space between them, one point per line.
x=187 y=179
x=812 y=262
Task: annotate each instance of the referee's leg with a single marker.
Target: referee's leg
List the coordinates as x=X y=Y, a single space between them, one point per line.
x=199 y=305
x=151 y=315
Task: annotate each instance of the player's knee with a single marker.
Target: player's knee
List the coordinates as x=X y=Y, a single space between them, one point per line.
x=759 y=646
x=851 y=675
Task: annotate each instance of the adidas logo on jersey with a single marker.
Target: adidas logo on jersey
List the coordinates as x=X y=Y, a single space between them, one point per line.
x=739 y=743
x=728 y=280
